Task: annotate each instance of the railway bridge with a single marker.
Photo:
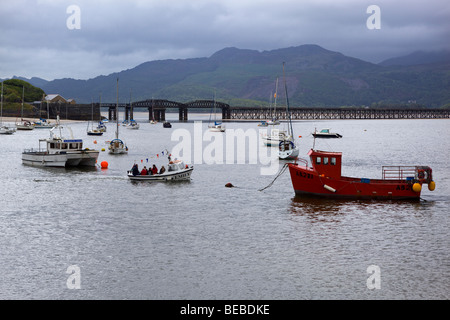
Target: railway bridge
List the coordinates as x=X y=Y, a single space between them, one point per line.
x=157 y=111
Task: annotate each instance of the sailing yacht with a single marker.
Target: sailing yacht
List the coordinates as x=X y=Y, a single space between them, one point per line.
x=274 y=121
x=132 y=124
x=24 y=124
x=276 y=135
x=3 y=128
x=218 y=126
x=93 y=131
x=287 y=148
x=117 y=146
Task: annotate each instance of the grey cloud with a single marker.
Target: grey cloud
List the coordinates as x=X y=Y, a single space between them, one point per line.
x=117 y=35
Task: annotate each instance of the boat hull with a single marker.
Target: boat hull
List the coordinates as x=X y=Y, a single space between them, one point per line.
x=167 y=176
x=6 y=130
x=94 y=133
x=307 y=182
x=291 y=154
x=327 y=135
x=85 y=158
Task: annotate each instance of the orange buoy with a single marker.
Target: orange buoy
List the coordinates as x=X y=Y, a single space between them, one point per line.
x=104 y=164
x=417 y=187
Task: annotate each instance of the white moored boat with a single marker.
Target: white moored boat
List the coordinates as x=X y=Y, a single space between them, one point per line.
x=287 y=147
x=177 y=170
x=4 y=129
x=276 y=136
x=60 y=152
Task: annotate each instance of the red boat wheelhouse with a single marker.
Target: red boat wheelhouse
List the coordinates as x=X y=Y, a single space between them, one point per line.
x=324 y=179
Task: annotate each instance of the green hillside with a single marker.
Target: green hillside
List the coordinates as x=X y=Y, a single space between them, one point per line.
x=315 y=77
x=13 y=90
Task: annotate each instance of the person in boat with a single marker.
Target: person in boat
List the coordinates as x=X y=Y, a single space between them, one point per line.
x=162 y=170
x=144 y=171
x=135 y=170
x=154 y=170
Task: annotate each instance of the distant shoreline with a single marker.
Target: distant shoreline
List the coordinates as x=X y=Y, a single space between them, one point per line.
x=15 y=119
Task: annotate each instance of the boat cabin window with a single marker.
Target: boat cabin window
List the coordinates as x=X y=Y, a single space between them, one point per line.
x=52 y=145
x=326 y=160
x=63 y=145
x=74 y=146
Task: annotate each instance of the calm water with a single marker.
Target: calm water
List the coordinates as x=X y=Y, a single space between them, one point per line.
x=200 y=240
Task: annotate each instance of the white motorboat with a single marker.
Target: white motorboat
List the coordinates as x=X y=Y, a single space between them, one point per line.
x=60 y=152
x=177 y=170
x=325 y=133
x=7 y=130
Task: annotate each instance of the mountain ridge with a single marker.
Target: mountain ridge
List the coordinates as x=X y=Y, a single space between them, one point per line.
x=315 y=77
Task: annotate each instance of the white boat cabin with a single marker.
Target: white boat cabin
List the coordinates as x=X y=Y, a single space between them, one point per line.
x=59 y=145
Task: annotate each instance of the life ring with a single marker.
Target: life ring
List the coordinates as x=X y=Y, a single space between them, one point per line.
x=422 y=175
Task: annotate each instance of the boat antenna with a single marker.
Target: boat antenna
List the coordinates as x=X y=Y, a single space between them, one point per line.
x=314 y=140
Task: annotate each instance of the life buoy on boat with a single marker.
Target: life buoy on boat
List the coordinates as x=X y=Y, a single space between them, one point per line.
x=422 y=174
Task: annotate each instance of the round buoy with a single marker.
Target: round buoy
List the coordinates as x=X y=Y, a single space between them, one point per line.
x=95 y=141
x=104 y=164
x=229 y=185
x=417 y=187
x=103 y=149
x=431 y=186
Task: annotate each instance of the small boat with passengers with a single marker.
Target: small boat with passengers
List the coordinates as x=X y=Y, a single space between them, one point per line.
x=324 y=179
x=176 y=170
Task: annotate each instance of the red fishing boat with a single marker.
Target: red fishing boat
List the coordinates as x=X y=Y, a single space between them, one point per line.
x=324 y=179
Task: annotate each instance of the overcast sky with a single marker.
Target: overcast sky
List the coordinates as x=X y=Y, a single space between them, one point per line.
x=114 y=35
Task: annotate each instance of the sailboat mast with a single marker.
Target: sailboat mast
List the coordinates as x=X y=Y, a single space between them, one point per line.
x=287 y=102
x=117 y=110
x=131 y=107
x=23 y=96
x=100 y=106
x=1 y=113
x=275 y=105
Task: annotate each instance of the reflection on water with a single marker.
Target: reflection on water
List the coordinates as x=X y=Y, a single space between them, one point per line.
x=318 y=209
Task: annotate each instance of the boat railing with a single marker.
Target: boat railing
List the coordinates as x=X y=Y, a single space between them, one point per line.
x=33 y=150
x=399 y=172
x=302 y=161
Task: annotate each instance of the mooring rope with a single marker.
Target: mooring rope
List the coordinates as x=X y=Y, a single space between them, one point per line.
x=282 y=170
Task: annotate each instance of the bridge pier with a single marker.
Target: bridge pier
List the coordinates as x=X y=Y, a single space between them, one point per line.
x=112 y=115
x=182 y=114
x=128 y=113
x=226 y=113
x=158 y=115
